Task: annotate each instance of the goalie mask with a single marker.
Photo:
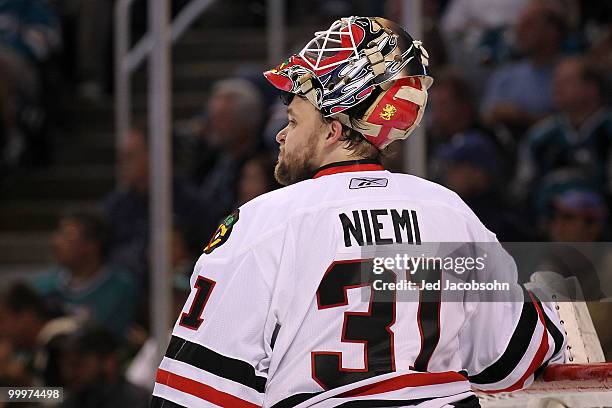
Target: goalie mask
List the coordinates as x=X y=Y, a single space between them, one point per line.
x=361 y=60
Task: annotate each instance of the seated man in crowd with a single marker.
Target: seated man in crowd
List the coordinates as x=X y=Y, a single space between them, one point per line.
x=470 y=165
x=235 y=114
x=22 y=318
x=454 y=112
x=579 y=136
x=30 y=332
x=92 y=373
x=128 y=208
x=83 y=282
x=578 y=216
x=518 y=94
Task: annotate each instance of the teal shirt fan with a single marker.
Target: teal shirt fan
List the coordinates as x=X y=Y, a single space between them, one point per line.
x=108 y=300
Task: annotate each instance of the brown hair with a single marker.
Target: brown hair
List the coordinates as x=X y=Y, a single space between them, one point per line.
x=356 y=143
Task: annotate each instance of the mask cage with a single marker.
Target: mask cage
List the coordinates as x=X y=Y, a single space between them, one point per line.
x=332 y=47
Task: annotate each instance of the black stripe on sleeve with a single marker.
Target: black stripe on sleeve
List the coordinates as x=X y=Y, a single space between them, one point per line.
x=553 y=330
x=275 y=335
x=383 y=403
x=297 y=399
x=469 y=402
x=159 y=402
x=215 y=363
x=517 y=346
x=557 y=338
x=429 y=322
x=294 y=400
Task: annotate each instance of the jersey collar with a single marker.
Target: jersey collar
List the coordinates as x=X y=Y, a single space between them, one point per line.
x=348 y=166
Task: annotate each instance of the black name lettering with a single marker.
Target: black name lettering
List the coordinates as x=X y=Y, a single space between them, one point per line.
x=351 y=228
x=365 y=227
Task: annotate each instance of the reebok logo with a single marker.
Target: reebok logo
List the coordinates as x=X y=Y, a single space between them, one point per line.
x=365 y=182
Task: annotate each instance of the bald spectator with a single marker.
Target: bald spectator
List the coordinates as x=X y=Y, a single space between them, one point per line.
x=232 y=134
x=518 y=94
x=579 y=137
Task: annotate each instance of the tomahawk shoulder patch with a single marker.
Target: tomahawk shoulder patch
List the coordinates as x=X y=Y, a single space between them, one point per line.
x=223 y=232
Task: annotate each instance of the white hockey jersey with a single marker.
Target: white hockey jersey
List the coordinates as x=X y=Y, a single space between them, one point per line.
x=277 y=316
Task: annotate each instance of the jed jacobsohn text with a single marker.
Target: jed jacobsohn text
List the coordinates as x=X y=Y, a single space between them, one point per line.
x=412 y=264
x=495 y=285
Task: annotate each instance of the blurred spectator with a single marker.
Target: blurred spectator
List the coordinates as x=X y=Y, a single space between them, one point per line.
x=600 y=54
x=29 y=35
x=469 y=18
x=477 y=30
x=453 y=111
x=128 y=207
x=233 y=132
x=518 y=94
x=256 y=178
x=452 y=107
x=578 y=138
x=83 y=281
x=23 y=316
x=29 y=334
x=470 y=166
x=581 y=216
x=13 y=370
x=578 y=216
x=91 y=369
x=432 y=36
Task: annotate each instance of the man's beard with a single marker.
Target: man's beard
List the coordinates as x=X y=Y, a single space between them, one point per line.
x=295 y=168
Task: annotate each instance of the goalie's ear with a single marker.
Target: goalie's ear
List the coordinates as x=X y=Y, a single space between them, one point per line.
x=334 y=132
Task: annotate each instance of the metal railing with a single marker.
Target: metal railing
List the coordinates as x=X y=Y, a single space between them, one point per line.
x=157 y=44
x=127 y=61
x=415 y=148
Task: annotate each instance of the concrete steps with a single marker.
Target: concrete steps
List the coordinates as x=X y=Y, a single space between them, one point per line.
x=36 y=215
x=33 y=246
x=83 y=157
x=61 y=182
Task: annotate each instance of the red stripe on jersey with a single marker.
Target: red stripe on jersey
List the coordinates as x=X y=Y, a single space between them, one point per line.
x=200 y=390
x=405 y=381
x=348 y=168
x=538 y=359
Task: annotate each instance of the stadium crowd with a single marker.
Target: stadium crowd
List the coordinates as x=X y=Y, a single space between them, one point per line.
x=519 y=125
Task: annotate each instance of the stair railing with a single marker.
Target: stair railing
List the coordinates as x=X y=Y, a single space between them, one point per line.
x=156 y=44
